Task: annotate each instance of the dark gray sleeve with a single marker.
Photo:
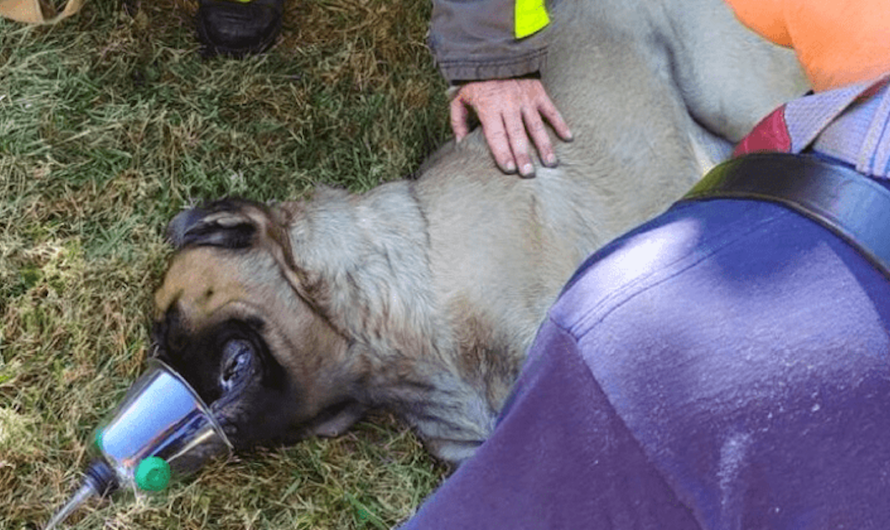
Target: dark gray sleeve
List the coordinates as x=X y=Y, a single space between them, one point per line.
x=473 y=40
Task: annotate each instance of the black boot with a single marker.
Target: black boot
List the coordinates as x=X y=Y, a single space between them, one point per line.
x=237 y=28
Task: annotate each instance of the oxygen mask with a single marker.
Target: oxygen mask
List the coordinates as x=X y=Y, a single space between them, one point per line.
x=162 y=429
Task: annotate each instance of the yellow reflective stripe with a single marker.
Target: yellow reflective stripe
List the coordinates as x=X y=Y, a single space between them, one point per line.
x=529 y=16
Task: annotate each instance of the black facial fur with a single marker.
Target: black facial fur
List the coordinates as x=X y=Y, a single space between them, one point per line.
x=230 y=366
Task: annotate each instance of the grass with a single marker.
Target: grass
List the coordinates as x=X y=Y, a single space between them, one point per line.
x=112 y=122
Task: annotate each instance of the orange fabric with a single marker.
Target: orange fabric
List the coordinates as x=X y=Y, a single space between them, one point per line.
x=839 y=42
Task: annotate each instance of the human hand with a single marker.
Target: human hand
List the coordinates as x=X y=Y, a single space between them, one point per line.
x=510 y=110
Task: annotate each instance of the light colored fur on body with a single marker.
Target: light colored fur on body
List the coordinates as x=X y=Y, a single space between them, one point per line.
x=436 y=287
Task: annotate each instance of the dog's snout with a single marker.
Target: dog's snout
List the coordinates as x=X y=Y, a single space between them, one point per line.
x=237 y=364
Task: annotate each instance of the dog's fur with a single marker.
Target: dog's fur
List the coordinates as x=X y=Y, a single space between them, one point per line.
x=423 y=296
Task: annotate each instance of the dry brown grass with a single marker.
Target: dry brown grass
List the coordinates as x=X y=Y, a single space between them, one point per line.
x=111 y=123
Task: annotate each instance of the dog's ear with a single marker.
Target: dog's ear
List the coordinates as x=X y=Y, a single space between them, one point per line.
x=225 y=223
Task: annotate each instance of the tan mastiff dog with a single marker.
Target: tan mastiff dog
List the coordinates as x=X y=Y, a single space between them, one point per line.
x=422 y=296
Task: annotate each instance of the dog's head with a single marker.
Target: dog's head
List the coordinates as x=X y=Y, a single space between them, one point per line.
x=231 y=318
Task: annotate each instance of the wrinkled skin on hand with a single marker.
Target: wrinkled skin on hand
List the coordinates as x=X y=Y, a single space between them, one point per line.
x=510 y=111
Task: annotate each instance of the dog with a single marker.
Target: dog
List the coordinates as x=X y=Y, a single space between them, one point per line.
x=422 y=296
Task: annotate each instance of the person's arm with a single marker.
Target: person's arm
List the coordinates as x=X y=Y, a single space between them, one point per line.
x=487 y=50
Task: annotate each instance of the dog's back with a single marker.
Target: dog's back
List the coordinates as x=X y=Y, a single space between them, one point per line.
x=655 y=93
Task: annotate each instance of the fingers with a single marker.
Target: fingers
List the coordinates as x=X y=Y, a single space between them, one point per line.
x=544 y=108
x=516 y=135
x=538 y=132
x=554 y=118
x=512 y=113
x=498 y=139
x=460 y=117
x=492 y=129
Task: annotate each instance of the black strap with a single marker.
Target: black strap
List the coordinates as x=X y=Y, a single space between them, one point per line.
x=849 y=203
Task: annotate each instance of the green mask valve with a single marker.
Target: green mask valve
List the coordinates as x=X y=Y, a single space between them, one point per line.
x=153 y=474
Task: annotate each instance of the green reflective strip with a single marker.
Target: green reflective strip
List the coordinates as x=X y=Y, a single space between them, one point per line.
x=529 y=16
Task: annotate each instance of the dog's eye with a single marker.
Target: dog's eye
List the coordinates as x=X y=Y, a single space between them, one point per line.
x=237 y=360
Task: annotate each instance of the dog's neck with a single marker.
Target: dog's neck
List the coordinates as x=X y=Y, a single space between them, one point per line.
x=372 y=283
x=363 y=264
x=449 y=413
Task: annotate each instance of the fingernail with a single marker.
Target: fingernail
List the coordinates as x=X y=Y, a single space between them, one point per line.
x=527 y=170
x=510 y=167
x=550 y=161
